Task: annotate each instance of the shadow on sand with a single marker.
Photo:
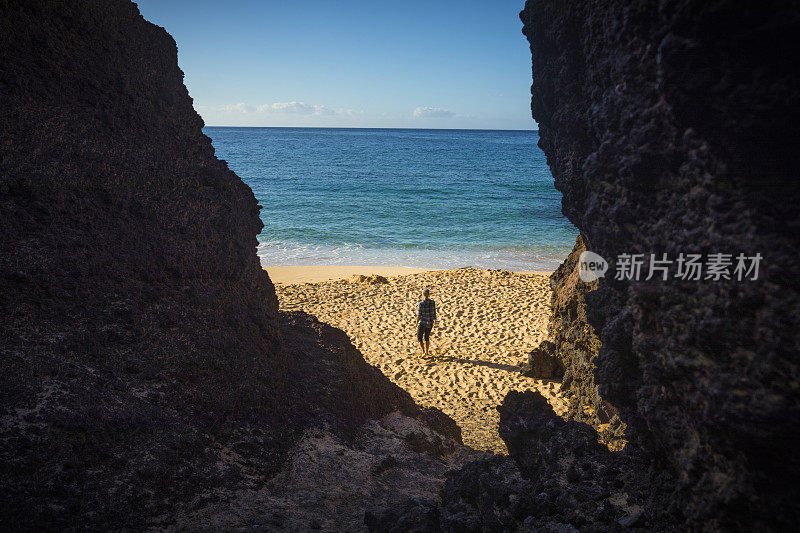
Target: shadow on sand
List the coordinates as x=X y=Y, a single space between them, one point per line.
x=478 y=362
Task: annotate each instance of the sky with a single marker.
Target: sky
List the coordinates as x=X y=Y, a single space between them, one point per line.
x=352 y=63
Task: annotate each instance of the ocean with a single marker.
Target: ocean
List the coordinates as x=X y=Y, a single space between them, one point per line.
x=400 y=197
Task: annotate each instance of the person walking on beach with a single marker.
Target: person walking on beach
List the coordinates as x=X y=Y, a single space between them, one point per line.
x=425 y=320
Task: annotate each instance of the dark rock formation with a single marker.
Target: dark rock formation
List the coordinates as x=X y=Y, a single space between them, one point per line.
x=571 y=478
x=542 y=363
x=575 y=345
x=134 y=311
x=125 y=242
x=538 y=439
x=558 y=478
x=481 y=496
x=415 y=515
x=669 y=128
x=145 y=365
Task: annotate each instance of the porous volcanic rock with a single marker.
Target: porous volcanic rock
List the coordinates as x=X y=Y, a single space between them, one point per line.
x=542 y=363
x=671 y=127
x=146 y=370
x=574 y=343
x=559 y=477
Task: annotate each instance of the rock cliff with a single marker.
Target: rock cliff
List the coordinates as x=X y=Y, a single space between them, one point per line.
x=669 y=129
x=575 y=344
x=147 y=373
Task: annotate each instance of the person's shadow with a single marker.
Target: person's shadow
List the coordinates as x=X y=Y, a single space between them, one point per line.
x=478 y=362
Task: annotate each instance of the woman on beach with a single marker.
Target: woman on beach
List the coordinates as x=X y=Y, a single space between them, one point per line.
x=426 y=318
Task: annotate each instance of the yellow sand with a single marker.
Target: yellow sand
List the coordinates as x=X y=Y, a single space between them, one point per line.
x=313 y=274
x=488 y=320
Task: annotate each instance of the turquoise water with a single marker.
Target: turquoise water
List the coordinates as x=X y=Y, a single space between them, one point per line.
x=400 y=197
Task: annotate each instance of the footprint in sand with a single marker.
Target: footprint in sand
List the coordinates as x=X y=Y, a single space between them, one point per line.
x=491 y=322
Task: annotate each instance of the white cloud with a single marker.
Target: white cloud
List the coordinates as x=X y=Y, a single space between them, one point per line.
x=241 y=107
x=432 y=112
x=300 y=108
x=288 y=108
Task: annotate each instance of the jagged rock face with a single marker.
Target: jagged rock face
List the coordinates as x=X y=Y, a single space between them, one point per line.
x=134 y=309
x=538 y=439
x=558 y=478
x=668 y=127
x=571 y=478
x=575 y=344
x=542 y=363
x=146 y=369
x=118 y=222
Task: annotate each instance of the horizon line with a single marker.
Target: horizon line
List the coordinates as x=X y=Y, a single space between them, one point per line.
x=368 y=128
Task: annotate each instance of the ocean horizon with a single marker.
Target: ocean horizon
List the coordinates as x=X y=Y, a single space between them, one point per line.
x=425 y=198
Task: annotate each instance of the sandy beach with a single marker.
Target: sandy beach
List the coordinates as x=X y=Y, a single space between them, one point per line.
x=488 y=320
x=313 y=274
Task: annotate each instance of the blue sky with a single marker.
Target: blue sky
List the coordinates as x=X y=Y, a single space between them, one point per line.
x=352 y=63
